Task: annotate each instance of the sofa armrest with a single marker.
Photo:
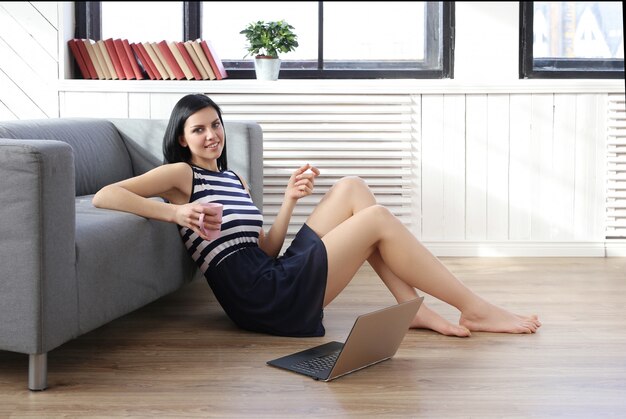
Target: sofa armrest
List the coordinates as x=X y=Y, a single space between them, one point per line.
x=38 y=289
x=255 y=134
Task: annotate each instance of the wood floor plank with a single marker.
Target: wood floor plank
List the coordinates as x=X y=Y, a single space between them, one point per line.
x=181 y=357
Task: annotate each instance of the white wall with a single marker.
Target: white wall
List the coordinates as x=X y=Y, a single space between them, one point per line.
x=486 y=41
x=29 y=59
x=498 y=165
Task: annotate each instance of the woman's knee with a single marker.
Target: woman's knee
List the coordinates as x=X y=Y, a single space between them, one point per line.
x=350 y=185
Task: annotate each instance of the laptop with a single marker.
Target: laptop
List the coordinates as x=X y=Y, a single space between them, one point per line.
x=375 y=337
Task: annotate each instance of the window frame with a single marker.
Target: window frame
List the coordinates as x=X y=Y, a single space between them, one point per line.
x=559 y=68
x=88 y=25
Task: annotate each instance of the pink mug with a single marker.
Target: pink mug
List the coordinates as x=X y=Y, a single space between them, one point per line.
x=211 y=234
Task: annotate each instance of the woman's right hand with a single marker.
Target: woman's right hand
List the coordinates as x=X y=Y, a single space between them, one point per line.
x=188 y=215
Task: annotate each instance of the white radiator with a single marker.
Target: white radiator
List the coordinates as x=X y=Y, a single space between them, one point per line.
x=616 y=168
x=364 y=135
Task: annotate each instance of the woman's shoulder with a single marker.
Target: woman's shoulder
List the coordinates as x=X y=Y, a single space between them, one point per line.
x=176 y=178
x=180 y=167
x=172 y=173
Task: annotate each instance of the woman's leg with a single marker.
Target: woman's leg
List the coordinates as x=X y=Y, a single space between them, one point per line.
x=426 y=318
x=374 y=229
x=354 y=196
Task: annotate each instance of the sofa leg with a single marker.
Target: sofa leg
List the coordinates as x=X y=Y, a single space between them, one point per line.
x=38 y=371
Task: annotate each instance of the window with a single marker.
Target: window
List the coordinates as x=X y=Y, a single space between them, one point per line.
x=119 y=20
x=337 y=39
x=571 y=40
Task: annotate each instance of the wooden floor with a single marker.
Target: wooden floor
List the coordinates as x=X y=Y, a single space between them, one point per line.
x=181 y=357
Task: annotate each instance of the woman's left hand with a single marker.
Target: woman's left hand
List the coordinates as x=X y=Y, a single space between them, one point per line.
x=301 y=182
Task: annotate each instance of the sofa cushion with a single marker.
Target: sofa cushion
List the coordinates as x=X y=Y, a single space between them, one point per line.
x=144 y=140
x=124 y=261
x=100 y=156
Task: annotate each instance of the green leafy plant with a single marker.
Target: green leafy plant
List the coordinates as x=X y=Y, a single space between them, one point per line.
x=269 y=38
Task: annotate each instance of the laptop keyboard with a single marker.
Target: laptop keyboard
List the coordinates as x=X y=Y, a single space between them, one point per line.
x=315 y=365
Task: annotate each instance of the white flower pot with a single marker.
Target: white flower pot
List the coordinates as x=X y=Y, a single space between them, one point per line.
x=267 y=68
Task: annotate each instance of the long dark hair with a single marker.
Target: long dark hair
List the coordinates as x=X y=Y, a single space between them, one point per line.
x=173 y=152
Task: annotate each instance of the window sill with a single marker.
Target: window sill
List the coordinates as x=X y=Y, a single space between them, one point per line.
x=379 y=86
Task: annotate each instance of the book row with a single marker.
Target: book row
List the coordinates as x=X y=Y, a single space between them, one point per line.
x=118 y=59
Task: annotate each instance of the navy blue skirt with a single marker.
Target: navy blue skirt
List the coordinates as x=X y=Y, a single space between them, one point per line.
x=280 y=296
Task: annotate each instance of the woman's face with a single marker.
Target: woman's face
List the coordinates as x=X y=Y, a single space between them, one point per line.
x=203 y=133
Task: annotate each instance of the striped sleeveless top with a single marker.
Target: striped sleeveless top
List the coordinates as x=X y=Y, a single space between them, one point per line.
x=241 y=219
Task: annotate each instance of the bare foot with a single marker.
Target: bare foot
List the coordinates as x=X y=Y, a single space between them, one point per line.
x=428 y=319
x=489 y=318
x=533 y=318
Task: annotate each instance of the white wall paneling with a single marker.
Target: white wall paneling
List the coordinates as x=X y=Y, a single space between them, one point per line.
x=498 y=167
x=520 y=167
x=432 y=166
x=589 y=213
x=476 y=168
x=101 y=105
x=564 y=167
x=28 y=60
x=364 y=135
x=616 y=168
x=542 y=181
x=479 y=169
x=453 y=158
x=416 y=157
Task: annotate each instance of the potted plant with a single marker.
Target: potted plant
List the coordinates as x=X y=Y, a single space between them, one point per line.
x=265 y=41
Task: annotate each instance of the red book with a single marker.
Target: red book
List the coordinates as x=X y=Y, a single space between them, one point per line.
x=93 y=74
x=151 y=49
x=110 y=46
x=121 y=53
x=79 y=59
x=216 y=63
x=132 y=59
x=188 y=60
x=171 y=60
x=142 y=61
x=94 y=58
x=149 y=62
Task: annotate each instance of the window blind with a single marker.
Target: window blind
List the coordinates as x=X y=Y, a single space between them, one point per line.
x=363 y=135
x=616 y=168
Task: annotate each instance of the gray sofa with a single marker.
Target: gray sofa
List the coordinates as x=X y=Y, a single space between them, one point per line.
x=67 y=267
